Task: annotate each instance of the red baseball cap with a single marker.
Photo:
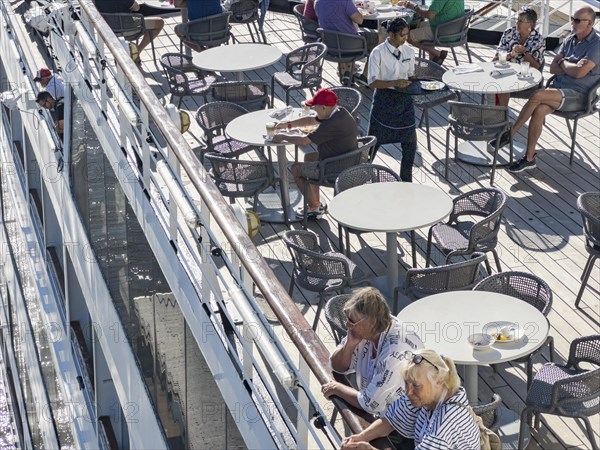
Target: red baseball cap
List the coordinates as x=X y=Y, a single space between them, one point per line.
x=323 y=97
x=44 y=72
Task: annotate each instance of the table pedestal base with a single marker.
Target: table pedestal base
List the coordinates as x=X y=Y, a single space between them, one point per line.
x=480 y=153
x=269 y=207
x=508 y=430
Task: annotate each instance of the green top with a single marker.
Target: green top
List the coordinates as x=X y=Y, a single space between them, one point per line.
x=445 y=11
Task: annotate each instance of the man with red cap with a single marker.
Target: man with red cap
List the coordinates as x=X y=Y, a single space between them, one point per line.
x=336 y=134
x=51 y=83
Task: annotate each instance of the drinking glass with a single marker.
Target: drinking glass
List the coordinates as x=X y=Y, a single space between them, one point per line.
x=524 y=68
x=270 y=129
x=502 y=57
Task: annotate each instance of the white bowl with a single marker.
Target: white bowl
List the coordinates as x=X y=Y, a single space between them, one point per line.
x=481 y=341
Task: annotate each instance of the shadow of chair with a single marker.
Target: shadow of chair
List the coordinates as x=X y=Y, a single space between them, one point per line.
x=592 y=106
x=343 y=48
x=588 y=205
x=463 y=237
x=532 y=290
x=253 y=95
x=303 y=70
x=420 y=283
x=330 y=168
x=308 y=27
x=567 y=391
x=472 y=122
x=185 y=79
x=129 y=26
x=452 y=34
x=213 y=118
x=246 y=12
x=428 y=70
x=316 y=271
x=357 y=176
x=206 y=32
x=236 y=178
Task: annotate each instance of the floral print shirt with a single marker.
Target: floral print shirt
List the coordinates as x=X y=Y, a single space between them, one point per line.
x=534 y=44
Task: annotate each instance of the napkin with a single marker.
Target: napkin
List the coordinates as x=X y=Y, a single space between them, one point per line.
x=500 y=73
x=467 y=68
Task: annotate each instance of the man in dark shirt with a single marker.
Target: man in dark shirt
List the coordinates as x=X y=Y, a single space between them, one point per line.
x=56 y=108
x=153 y=25
x=335 y=135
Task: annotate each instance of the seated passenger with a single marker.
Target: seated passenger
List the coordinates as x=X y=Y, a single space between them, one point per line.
x=56 y=108
x=372 y=349
x=153 y=25
x=439 y=12
x=522 y=43
x=51 y=83
x=335 y=135
x=343 y=16
x=434 y=410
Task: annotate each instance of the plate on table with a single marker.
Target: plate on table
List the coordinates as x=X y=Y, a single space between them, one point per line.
x=504 y=331
x=481 y=341
x=432 y=85
x=384 y=8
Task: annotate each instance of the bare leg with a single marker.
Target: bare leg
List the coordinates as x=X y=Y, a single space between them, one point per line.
x=503 y=99
x=547 y=96
x=535 y=128
x=154 y=26
x=312 y=191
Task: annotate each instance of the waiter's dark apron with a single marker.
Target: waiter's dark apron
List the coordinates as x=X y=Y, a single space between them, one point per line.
x=392 y=116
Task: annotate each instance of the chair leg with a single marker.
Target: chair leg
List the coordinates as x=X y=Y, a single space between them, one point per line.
x=590 y=432
x=428 y=254
x=497 y=260
x=587 y=264
x=153 y=52
x=495 y=159
x=413 y=244
x=584 y=281
x=347 y=243
x=573 y=136
x=426 y=115
x=454 y=54
x=305 y=200
x=447 y=152
x=523 y=427
x=272 y=91
x=179 y=103
x=487 y=265
x=468 y=52
x=251 y=33
x=318 y=313
x=291 y=288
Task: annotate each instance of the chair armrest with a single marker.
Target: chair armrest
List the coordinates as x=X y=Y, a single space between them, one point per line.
x=584 y=349
x=576 y=389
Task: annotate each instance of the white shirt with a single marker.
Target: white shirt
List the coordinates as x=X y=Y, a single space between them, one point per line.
x=378 y=379
x=56 y=87
x=384 y=66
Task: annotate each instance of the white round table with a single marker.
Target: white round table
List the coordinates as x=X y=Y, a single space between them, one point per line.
x=444 y=321
x=237 y=58
x=390 y=208
x=250 y=129
x=479 y=152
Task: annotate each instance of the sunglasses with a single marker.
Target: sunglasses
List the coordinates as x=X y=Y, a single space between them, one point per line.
x=578 y=21
x=352 y=323
x=417 y=359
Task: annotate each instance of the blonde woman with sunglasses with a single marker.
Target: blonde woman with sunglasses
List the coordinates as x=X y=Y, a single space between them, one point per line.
x=434 y=410
x=372 y=349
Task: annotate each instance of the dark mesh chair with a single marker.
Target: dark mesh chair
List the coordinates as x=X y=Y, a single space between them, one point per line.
x=592 y=106
x=343 y=48
x=348 y=98
x=213 y=118
x=308 y=27
x=463 y=237
x=530 y=289
x=252 y=95
x=330 y=168
x=206 y=32
x=567 y=391
x=334 y=313
x=473 y=122
x=426 y=69
x=489 y=412
x=236 y=178
x=452 y=34
x=246 y=12
x=129 y=26
x=459 y=276
x=588 y=205
x=357 y=176
x=303 y=70
x=185 y=79
x=317 y=271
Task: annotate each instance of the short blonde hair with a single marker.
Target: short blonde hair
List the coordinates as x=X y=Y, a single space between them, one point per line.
x=437 y=368
x=368 y=303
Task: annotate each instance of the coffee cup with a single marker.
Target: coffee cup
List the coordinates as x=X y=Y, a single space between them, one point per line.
x=271 y=127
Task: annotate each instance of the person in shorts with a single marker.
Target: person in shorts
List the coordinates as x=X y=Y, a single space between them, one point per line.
x=336 y=134
x=577 y=68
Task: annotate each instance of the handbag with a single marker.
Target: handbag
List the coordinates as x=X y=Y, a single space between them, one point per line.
x=488 y=440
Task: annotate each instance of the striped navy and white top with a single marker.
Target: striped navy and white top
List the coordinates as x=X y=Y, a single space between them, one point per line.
x=454 y=428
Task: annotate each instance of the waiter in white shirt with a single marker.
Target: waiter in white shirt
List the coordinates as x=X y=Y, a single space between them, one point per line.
x=391 y=64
